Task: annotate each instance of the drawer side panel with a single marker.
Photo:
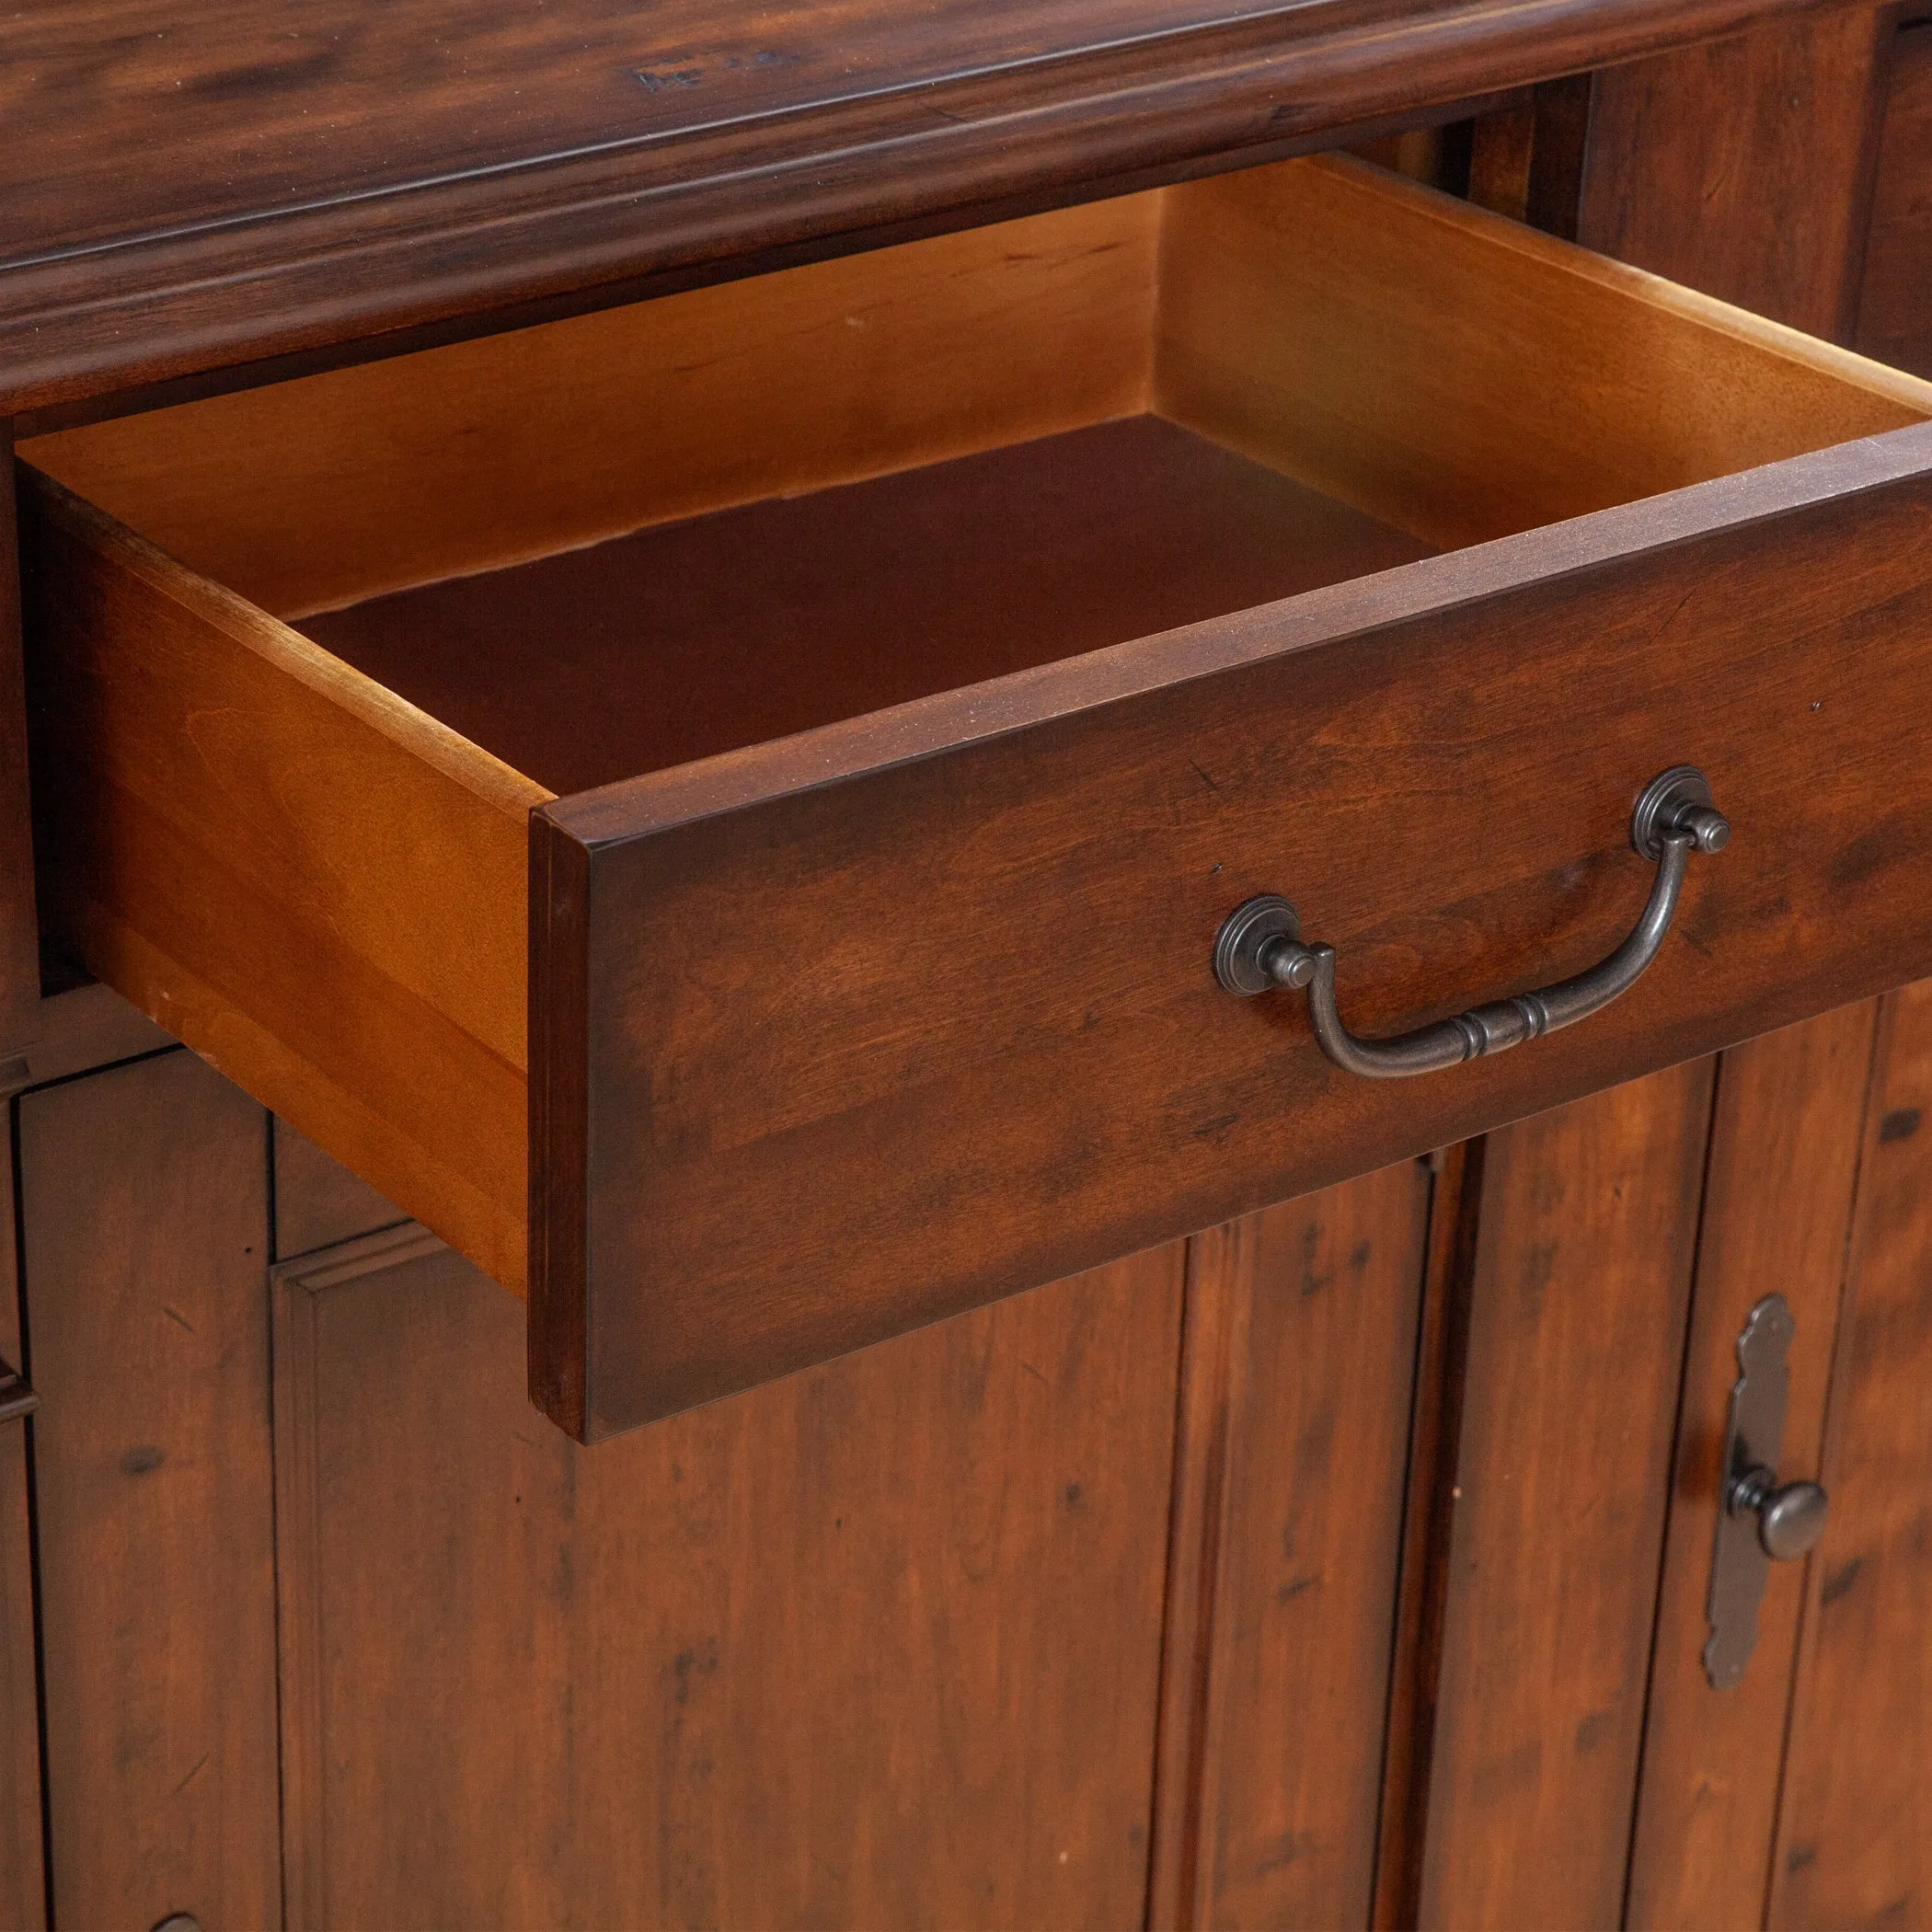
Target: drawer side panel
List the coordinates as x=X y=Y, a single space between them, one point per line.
x=316 y=888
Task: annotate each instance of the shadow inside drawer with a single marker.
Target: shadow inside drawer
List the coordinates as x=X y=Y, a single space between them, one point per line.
x=697 y=637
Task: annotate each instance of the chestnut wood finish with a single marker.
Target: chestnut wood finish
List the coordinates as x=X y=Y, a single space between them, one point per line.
x=877 y=1645
x=1779 y=1196
x=1576 y=1335
x=355 y=174
x=311 y=495
x=1121 y=790
x=1852 y=1849
x=1294 y=1438
x=1283 y=314
x=23 y=1891
x=1343 y=1564
x=152 y=1469
x=1894 y=308
x=796 y=611
x=1744 y=168
x=19 y=932
x=1430 y=1497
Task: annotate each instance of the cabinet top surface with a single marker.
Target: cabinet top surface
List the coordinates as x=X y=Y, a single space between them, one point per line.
x=194 y=188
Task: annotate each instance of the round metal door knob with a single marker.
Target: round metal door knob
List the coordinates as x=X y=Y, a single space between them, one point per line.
x=1791 y=1516
x=1790 y=1520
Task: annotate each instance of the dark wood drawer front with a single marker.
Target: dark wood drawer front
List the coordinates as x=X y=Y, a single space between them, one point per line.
x=937 y=1020
x=722 y=809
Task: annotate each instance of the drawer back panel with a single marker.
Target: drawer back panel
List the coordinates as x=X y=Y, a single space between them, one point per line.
x=1448 y=372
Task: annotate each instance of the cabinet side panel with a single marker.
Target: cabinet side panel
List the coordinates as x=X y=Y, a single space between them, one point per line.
x=144 y=1191
x=1576 y=1340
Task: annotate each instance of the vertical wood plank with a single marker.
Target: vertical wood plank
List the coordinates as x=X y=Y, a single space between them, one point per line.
x=1527 y=162
x=1294 y=1442
x=1213 y=1362
x=146 y=1224
x=1854 y=1844
x=1428 y=1526
x=875 y=1645
x=1783 y=1170
x=23 y=1894
x=1895 y=304
x=1744 y=168
x=1576 y=1340
x=20 y=932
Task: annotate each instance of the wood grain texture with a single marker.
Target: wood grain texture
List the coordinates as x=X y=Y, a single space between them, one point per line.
x=876 y=1646
x=1744 y=168
x=1442 y=370
x=318 y=492
x=1577 y=1328
x=1780 y=1183
x=153 y=1469
x=1463 y=377
x=682 y=641
x=19 y=928
x=1297 y=1412
x=1852 y=1845
x=351 y=175
x=1086 y=1088
x=23 y=1885
x=1431 y=1494
x=1895 y=302
x=313 y=885
x=394 y=892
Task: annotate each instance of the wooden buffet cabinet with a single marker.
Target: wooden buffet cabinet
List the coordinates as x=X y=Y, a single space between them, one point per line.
x=1075 y=467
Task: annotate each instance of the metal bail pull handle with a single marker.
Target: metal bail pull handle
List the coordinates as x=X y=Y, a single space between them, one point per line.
x=1260 y=946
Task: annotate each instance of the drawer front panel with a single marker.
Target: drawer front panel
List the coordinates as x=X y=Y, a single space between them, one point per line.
x=840 y=1035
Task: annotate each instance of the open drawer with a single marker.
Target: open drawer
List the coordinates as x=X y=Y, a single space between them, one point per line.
x=729 y=804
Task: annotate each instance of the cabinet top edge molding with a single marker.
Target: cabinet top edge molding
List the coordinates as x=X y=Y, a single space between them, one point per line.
x=333 y=176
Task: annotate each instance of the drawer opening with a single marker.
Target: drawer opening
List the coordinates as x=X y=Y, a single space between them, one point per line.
x=627 y=540
x=305 y=657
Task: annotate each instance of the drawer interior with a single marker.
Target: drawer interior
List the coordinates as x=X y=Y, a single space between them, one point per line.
x=695 y=637
x=636 y=539
x=484 y=574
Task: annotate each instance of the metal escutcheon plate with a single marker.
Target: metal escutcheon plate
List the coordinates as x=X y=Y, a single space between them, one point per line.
x=1246 y=934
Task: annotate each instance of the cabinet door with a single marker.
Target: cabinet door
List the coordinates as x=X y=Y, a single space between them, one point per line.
x=878 y=1644
x=1555 y=1419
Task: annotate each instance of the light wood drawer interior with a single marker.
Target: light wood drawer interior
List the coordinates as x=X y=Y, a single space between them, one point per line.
x=308 y=656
